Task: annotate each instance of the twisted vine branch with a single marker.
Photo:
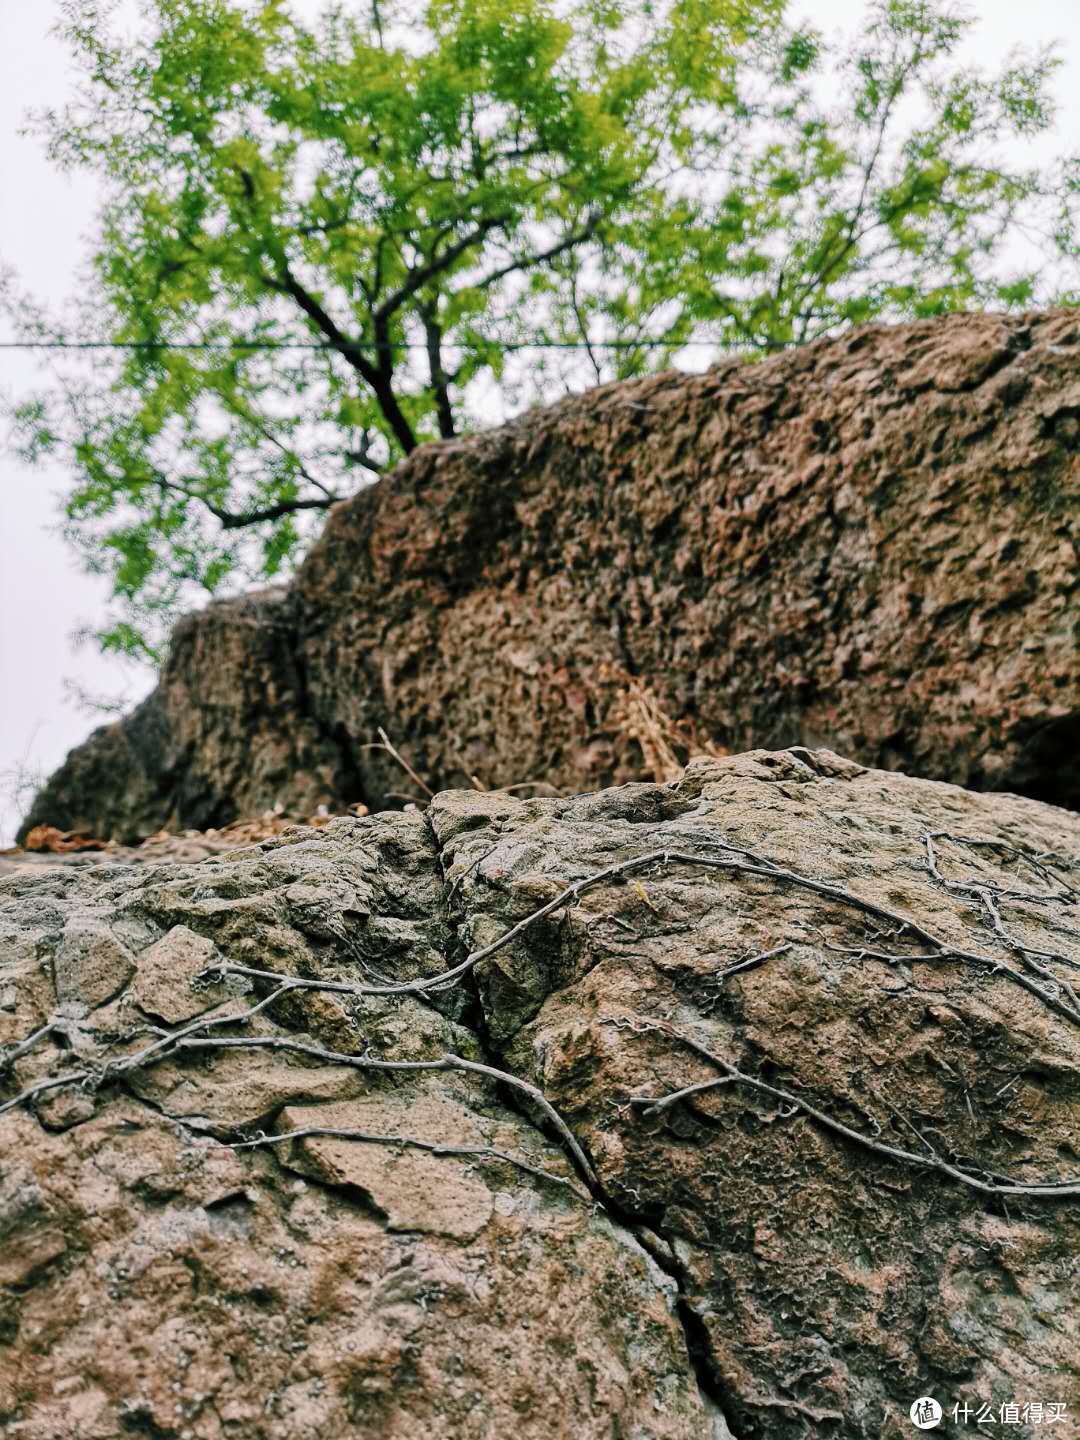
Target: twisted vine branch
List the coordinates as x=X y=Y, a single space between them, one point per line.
x=732 y=1075
x=1054 y=992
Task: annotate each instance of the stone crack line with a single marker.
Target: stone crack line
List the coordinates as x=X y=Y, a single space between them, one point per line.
x=196 y=1035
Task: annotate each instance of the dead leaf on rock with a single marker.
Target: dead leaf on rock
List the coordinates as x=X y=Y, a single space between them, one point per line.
x=59 y=842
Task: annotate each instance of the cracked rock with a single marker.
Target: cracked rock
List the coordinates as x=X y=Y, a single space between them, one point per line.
x=164 y=986
x=815 y=1034
x=91 y=965
x=156 y=1281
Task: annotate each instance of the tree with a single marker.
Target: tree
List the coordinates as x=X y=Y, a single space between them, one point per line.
x=323 y=244
x=897 y=201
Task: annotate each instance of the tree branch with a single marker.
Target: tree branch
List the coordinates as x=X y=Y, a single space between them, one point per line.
x=379 y=377
x=363 y=456
x=439 y=380
x=420 y=276
x=232 y=520
x=540 y=257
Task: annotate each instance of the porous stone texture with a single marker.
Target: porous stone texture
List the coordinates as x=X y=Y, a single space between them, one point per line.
x=730 y=1266
x=233 y=670
x=154 y=1281
x=869 y=543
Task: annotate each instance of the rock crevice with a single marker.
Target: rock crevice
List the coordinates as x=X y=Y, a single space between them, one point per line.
x=657 y=1247
x=800 y=1116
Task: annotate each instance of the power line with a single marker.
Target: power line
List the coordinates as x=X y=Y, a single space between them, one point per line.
x=316 y=345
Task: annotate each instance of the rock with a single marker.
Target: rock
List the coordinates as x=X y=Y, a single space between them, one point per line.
x=165 y=985
x=187 y=847
x=869 y=543
x=239 y=658
x=828 y=1287
x=416 y=1191
x=91 y=964
x=160 y=1282
x=811 y=1028
x=29 y=1239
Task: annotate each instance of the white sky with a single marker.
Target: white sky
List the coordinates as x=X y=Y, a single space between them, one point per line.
x=45 y=218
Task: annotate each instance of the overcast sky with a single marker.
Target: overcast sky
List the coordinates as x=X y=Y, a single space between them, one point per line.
x=44 y=221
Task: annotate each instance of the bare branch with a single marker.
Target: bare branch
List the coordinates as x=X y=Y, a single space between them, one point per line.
x=409 y=1142
x=73 y=1077
x=386 y=744
x=1050 y=1190
x=237 y=520
x=378 y=376
x=436 y=265
x=363 y=455
x=8 y=1057
x=540 y=257
x=738 y=860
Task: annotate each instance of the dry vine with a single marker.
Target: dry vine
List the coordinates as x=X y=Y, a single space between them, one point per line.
x=407 y=1142
x=751 y=864
x=197 y=1035
x=653 y=1105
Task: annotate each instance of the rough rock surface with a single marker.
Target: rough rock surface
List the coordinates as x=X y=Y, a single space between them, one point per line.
x=233 y=670
x=870 y=544
x=729 y=1264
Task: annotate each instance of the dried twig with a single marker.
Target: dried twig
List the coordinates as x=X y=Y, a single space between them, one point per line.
x=93 y=1077
x=666 y=744
x=714 y=990
x=409 y=1142
x=387 y=745
x=196 y=1035
x=1028 y=953
x=446 y=977
x=1036 y=862
x=372 y=1062
x=739 y=861
x=1050 y=1190
x=8 y=1057
x=73 y=1077
x=650 y=1105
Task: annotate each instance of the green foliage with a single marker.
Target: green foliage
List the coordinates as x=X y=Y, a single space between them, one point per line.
x=410 y=190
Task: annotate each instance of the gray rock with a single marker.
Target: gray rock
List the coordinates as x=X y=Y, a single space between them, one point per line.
x=91 y=965
x=165 y=985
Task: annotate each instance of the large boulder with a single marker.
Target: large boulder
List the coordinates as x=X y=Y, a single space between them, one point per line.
x=869 y=543
x=744 y=1105
x=225 y=733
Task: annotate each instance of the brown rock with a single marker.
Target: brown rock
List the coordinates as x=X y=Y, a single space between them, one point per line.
x=91 y=964
x=844 y=1223
x=241 y=660
x=153 y=1280
x=826 y=1286
x=869 y=543
x=165 y=984
x=415 y=1191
